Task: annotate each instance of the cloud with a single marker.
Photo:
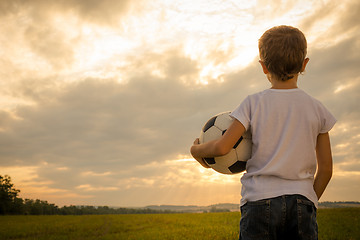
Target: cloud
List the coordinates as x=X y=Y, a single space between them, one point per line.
x=101 y=12
x=101 y=133
x=96 y=97
x=141 y=114
x=119 y=135
x=322 y=12
x=333 y=66
x=47 y=42
x=332 y=23
x=50 y=33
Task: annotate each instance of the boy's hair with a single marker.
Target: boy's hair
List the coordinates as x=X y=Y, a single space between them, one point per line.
x=283 y=50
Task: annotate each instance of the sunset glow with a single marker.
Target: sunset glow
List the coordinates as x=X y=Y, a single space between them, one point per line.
x=101 y=100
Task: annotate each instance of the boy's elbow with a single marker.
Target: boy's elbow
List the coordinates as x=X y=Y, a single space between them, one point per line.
x=326 y=172
x=330 y=172
x=221 y=149
x=329 y=169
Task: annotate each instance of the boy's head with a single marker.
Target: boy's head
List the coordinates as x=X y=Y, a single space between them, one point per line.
x=283 y=50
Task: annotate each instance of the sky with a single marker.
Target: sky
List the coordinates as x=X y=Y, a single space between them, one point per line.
x=100 y=101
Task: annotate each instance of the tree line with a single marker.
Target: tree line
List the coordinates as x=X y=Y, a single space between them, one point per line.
x=11 y=204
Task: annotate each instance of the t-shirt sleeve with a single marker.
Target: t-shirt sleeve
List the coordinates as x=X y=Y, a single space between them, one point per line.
x=327 y=120
x=242 y=113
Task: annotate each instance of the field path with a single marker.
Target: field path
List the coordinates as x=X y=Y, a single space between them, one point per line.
x=104 y=229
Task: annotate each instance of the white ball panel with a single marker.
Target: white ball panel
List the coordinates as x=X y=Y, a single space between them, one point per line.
x=243 y=151
x=222 y=163
x=228 y=159
x=212 y=133
x=223 y=121
x=221 y=169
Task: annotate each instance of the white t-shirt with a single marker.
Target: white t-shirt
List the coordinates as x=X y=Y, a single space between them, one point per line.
x=284 y=124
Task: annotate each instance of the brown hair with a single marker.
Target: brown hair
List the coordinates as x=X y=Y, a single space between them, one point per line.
x=283 y=50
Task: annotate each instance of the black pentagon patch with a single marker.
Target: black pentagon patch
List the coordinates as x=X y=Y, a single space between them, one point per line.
x=237 y=167
x=209 y=160
x=223 y=132
x=238 y=142
x=209 y=124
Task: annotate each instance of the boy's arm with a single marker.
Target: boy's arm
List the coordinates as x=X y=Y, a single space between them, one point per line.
x=218 y=147
x=324 y=163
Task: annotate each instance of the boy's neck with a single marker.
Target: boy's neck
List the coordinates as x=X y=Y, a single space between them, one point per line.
x=288 y=84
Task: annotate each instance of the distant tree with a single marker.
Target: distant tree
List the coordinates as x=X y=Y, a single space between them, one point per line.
x=11 y=204
x=214 y=209
x=8 y=196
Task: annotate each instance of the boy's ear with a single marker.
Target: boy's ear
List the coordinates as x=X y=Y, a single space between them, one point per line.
x=264 y=68
x=306 y=60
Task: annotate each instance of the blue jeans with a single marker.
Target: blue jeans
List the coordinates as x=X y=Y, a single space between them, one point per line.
x=289 y=217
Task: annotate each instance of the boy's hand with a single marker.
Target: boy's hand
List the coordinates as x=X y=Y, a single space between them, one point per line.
x=200 y=160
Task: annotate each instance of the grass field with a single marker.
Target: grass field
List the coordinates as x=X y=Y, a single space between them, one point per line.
x=342 y=224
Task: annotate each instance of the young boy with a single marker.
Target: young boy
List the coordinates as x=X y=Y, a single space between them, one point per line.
x=291 y=161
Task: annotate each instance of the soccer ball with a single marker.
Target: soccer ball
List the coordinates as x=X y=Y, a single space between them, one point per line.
x=235 y=160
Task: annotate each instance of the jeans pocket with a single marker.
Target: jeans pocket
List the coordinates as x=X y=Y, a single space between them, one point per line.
x=306 y=219
x=255 y=220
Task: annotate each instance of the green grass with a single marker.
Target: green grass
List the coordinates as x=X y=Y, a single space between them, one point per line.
x=339 y=224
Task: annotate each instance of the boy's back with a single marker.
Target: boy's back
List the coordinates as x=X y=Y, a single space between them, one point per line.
x=285 y=124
